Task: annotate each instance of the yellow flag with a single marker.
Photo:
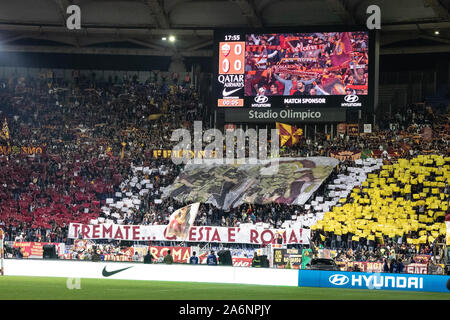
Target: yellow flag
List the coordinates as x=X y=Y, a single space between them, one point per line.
x=123 y=150
x=4 y=134
x=289 y=135
x=154 y=116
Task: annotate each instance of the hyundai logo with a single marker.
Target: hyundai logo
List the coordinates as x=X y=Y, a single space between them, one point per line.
x=338 y=279
x=351 y=98
x=261 y=99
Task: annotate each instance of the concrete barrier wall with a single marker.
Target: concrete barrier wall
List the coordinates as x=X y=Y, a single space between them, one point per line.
x=157 y=272
x=226 y=274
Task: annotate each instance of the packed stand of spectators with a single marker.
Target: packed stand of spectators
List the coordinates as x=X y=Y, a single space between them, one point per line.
x=94 y=133
x=83 y=130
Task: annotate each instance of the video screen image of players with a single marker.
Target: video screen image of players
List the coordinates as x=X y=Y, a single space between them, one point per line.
x=307 y=64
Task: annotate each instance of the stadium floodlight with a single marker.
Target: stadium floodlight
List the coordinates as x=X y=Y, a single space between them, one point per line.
x=172 y=38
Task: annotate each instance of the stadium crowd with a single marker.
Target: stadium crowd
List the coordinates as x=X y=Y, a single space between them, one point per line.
x=92 y=134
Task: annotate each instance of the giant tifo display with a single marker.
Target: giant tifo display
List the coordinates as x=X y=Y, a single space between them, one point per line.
x=406 y=199
x=227 y=186
x=316 y=75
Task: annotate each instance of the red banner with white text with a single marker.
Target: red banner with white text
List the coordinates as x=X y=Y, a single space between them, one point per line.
x=179 y=254
x=242 y=262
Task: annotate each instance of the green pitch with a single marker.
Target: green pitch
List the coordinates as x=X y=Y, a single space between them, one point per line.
x=43 y=288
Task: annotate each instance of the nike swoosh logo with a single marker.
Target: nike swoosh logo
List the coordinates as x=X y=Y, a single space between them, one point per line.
x=226 y=94
x=110 y=273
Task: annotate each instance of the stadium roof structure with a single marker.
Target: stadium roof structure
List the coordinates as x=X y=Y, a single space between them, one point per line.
x=136 y=27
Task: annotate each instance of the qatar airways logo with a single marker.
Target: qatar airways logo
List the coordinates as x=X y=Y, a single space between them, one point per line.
x=232 y=84
x=231 y=78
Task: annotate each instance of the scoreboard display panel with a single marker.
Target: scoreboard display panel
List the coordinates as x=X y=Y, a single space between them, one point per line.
x=299 y=76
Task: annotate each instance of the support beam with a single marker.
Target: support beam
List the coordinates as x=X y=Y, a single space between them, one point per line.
x=86 y=31
x=199 y=45
x=390 y=37
x=106 y=51
x=173 y=4
x=438 y=8
x=185 y=53
x=437 y=39
x=70 y=41
x=62 y=9
x=418 y=26
x=339 y=7
x=157 y=9
x=415 y=50
x=147 y=44
x=248 y=10
x=12 y=38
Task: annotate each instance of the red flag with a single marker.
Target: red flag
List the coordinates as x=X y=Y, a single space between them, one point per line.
x=342 y=51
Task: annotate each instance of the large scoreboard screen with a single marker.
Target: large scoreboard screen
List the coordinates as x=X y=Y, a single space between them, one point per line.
x=269 y=76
